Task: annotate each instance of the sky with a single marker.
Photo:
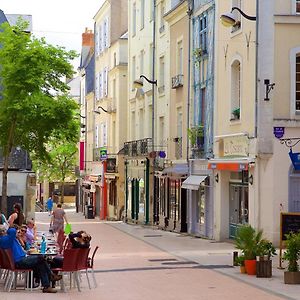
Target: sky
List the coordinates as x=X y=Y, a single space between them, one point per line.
x=61 y=22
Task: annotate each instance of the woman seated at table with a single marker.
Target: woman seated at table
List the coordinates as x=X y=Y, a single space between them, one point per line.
x=31 y=232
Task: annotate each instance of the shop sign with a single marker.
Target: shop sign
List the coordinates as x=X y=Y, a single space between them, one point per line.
x=103 y=153
x=236 y=146
x=278 y=132
x=295 y=158
x=111 y=165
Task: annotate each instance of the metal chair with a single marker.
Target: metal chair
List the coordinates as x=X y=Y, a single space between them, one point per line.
x=91 y=265
x=12 y=272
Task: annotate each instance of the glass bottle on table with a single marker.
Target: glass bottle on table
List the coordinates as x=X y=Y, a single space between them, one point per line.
x=43 y=245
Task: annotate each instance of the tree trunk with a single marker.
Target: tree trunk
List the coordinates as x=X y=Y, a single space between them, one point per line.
x=6 y=154
x=4 y=185
x=62 y=191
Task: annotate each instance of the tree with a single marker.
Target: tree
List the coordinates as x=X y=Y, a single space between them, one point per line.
x=62 y=157
x=35 y=104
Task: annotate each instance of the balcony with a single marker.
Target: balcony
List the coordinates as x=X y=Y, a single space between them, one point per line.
x=138 y=147
x=177 y=81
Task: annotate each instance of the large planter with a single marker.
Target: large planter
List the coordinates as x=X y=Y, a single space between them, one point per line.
x=291 y=277
x=243 y=269
x=250 y=266
x=264 y=268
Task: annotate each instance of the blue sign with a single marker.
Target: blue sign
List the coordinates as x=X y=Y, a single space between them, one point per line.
x=295 y=158
x=278 y=132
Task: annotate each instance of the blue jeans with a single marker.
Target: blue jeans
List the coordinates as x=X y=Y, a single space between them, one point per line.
x=39 y=266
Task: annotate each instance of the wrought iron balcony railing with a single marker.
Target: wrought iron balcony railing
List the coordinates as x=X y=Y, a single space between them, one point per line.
x=138 y=148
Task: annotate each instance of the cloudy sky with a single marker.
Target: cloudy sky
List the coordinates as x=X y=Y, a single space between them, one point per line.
x=61 y=22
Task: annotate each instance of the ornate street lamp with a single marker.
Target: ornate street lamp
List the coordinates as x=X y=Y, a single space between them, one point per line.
x=228 y=19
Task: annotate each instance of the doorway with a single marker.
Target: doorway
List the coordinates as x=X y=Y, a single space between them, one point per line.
x=238 y=207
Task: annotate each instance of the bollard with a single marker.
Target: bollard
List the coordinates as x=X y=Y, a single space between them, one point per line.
x=235 y=256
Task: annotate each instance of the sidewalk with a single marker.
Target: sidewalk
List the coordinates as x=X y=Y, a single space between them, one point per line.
x=197 y=252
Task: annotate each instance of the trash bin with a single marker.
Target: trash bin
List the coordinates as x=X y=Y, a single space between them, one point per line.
x=90 y=211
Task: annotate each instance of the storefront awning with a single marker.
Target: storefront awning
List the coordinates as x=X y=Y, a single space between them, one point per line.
x=193 y=182
x=176 y=170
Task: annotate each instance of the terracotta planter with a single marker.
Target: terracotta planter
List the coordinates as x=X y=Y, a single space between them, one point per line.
x=250 y=266
x=243 y=269
x=291 y=277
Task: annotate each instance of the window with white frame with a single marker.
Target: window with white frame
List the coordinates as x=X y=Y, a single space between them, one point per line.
x=134 y=19
x=142 y=62
x=162 y=71
x=142 y=14
x=203 y=33
x=297 y=104
x=97 y=86
x=100 y=85
x=105 y=82
x=179 y=122
x=97 y=40
x=162 y=20
x=141 y=123
x=235 y=89
x=179 y=58
x=100 y=35
x=161 y=131
x=133 y=69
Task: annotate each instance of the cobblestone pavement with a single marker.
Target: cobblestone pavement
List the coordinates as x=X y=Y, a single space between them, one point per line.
x=137 y=262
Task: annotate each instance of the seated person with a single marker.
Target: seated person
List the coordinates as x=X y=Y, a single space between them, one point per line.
x=21 y=237
x=31 y=232
x=80 y=239
x=40 y=267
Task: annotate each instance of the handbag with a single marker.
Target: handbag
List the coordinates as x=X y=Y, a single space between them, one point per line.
x=68 y=229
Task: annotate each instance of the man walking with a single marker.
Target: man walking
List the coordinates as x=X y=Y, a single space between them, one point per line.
x=49 y=204
x=40 y=267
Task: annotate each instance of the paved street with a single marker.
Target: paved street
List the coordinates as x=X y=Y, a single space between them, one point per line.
x=135 y=262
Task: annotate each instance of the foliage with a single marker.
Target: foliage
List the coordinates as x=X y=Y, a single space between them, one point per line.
x=240 y=260
x=34 y=96
x=265 y=247
x=194 y=133
x=247 y=240
x=198 y=53
x=292 y=253
x=236 y=112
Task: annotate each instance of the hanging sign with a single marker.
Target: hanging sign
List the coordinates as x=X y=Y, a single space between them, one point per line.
x=295 y=158
x=103 y=153
x=278 y=132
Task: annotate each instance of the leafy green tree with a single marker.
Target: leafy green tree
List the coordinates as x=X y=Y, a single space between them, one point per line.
x=61 y=161
x=35 y=104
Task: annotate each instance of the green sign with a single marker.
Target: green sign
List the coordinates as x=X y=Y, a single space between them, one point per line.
x=103 y=153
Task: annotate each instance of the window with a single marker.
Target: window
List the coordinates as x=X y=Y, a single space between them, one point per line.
x=161 y=131
x=142 y=62
x=297 y=6
x=97 y=86
x=162 y=71
x=297 y=83
x=179 y=122
x=203 y=33
x=162 y=21
x=133 y=69
x=97 y=40
x=179 y=58
x=150 y=58
x=132 y=125
x=100 y=85
x=96 y=136
x=142 y=14
x=134 y=19
x=235 y=89
x=100 y=35
x=141 y=123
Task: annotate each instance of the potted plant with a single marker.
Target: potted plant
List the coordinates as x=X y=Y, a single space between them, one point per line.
x=236 y=113
x=196 y=135
x=247 y=240
x=240 y=261
x=291 y=255
x=265 y=250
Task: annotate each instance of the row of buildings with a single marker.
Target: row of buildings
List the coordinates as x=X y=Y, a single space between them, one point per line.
x=188 y=124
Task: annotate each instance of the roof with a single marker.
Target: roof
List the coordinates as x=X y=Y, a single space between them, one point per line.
x=13 y=18
x=2 y=17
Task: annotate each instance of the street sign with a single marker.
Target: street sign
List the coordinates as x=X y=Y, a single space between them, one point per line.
x=103 y=153
x=278 y=132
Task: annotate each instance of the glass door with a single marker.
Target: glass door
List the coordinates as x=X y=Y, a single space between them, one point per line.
x=238 y=207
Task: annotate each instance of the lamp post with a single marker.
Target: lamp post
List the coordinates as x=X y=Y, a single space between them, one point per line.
x=139 y=84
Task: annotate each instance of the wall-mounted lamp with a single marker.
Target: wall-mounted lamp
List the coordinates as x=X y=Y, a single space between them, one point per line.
x=229 y=19
x=99 y=112
x=137 y=84
x=217 y=177
x=269 y=87
x=250 y=179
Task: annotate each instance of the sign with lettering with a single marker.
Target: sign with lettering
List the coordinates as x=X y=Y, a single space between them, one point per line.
x=290 y=222
x=278 y=132
x=236 y=146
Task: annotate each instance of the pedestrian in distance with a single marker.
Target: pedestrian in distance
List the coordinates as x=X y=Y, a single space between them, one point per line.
x=49 y=204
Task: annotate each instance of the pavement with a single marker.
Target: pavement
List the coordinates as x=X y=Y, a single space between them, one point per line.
x=142 y=262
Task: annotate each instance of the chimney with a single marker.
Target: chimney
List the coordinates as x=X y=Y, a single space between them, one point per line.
x=88 y=38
